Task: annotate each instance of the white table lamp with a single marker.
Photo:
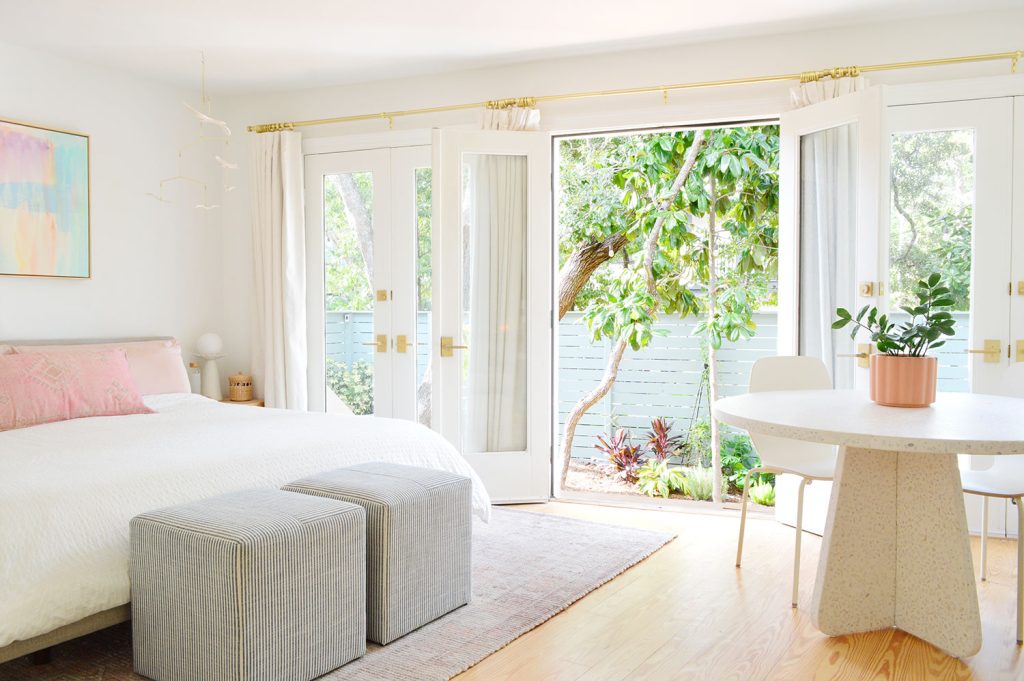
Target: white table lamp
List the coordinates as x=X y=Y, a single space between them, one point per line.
x=210 y=348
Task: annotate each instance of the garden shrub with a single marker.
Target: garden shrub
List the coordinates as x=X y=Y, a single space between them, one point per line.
x=353 y=385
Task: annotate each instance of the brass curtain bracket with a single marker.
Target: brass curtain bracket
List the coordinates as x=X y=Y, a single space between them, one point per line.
x=803 y=77
x=835 y=74
x=523 y=102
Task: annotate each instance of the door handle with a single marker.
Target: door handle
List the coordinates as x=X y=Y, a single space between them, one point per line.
x=1020 y=351
x=381 y=342
x=448 y=344
x=401 y=343
x=863 y=355
x=990 y=350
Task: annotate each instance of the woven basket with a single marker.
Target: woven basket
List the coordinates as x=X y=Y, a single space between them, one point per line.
x=240 y=387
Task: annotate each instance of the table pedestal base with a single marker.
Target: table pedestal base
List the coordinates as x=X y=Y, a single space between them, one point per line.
x=896 y=551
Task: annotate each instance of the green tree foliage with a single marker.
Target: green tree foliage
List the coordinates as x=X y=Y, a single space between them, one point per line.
x=932 y=213
x=612 y=185
x=716 y=250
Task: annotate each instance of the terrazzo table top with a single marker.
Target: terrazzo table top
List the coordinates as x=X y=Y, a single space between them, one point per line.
x=958 y=423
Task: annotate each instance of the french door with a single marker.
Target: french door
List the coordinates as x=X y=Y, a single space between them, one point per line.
x=368 y=263
x=882 y=191
x=429 y=283
x=493 y=250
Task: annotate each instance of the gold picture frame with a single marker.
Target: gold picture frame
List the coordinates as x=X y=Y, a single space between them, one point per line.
x=46 y=212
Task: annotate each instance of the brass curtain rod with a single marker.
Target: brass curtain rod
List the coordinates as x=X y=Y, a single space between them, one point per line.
x=803 y=77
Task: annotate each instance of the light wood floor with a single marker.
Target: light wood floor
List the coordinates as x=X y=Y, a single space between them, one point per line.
x=687 y=613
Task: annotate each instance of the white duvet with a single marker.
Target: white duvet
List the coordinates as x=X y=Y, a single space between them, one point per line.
x=68 y=490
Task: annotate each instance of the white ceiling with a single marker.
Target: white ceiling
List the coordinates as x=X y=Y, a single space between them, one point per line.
x=263 y=45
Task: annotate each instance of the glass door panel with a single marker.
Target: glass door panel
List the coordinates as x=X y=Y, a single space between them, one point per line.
x=424 y=284
x=931 y=224
x=347 y=270
x=828 y=234
x=494 y=325
x=348 y=291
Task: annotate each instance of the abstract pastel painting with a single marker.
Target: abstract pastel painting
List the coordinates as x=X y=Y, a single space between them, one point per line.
x=44 y=202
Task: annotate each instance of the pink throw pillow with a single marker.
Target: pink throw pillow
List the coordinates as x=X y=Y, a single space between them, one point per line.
x=43 y=387
x=156 y=365
x=4 y=349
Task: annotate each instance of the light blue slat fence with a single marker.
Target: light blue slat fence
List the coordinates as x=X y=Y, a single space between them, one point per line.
x=661 y=380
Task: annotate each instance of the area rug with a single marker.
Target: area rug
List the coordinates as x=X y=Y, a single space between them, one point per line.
x=527 y=567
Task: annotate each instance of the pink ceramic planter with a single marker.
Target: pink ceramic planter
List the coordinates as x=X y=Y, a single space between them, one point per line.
x=903 y=381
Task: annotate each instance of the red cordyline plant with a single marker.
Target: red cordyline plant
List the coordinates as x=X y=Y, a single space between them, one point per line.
x=624 y=455
x=660 y=440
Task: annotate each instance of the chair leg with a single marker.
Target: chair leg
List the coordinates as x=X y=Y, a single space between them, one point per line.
x=984 y=538
x=1020 y=567
x=743 y=518
x=799 y=536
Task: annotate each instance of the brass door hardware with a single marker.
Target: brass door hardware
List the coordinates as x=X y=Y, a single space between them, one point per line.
x=382 y=295
x=990 y=350
x=448 y=344
x=1020 y=351
x=866 y=289
x=1020 y=287
x=401 y=343
x=863 y=355
x=381 y=342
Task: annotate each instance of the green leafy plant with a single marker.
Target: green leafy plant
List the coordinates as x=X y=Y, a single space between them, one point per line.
x=738 y=457
x=623 y=454
x=699 y=483
x=762 y=493
x=352 y=384
x=930 y=319
x=657 y=478
x=660 y=440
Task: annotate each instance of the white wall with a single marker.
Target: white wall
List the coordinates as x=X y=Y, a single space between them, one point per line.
x=155 y=266
x=896 y=41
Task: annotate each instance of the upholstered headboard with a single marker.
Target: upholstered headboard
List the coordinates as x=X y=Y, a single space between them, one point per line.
x=83 y=341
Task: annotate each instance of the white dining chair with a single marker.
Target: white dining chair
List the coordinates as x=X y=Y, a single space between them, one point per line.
x=1004 y=479
x=808 y=460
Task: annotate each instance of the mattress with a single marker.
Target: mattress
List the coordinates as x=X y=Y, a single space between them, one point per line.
x=68 y=489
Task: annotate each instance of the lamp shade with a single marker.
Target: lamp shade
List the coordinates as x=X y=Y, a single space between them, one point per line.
x=209 y=344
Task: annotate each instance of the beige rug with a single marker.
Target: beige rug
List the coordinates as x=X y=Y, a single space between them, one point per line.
x=527 y=567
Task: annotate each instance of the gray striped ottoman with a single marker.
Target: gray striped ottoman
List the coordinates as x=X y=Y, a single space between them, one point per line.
x=418 y=529
x=247 y=586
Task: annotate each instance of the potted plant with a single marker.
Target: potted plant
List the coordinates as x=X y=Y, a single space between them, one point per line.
x=902 y=373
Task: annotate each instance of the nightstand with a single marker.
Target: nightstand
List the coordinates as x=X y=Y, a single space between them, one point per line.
x=247 y=403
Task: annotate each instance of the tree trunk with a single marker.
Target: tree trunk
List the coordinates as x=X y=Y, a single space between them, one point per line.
x=586 y=402
x=359 y=217
x=612 y=369
x=576 y=271
x=716 y=445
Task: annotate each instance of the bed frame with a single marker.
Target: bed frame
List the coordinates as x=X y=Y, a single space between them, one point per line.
x=99 y=620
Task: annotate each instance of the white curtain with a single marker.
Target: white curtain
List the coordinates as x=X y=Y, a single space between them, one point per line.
x=828 y=224
x=279 y=260
x=495 y=401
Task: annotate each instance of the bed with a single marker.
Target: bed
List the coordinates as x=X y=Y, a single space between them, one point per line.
x=68 y=489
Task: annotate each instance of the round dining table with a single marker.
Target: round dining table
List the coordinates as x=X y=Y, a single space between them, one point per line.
x=895 y=552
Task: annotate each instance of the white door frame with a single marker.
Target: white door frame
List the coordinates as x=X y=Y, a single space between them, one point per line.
x=509 y=476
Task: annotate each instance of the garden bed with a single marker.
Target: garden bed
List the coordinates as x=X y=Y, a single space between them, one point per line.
x=592 y=475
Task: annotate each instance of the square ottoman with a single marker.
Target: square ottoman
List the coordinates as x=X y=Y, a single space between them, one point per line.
x=418 y=530
x=253 y=585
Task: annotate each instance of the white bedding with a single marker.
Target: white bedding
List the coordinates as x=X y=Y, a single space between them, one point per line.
x=68 y=490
